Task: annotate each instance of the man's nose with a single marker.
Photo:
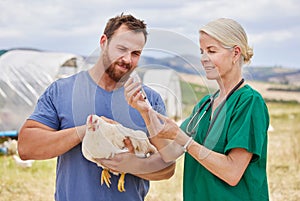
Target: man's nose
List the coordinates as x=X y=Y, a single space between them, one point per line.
x=127 y=57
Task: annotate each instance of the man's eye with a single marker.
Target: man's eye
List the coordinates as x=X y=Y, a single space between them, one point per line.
x=137 y=53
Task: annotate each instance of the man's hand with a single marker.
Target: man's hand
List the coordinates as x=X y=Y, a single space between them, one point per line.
x=123 y=162
x=134 y=97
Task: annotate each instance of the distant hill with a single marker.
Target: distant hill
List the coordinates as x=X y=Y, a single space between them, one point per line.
x=183 y=64
x=280 y=75
x=191 y=65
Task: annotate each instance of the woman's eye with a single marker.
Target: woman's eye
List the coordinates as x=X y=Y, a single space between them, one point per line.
x=208 y=51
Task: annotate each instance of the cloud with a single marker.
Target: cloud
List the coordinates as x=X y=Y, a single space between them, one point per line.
x=272 y=37
x=77 y=25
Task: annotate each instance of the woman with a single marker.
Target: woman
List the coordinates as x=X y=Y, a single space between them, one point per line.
x=226 y=134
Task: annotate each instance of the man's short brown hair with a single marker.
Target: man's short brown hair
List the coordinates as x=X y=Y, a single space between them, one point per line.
x=131 y=22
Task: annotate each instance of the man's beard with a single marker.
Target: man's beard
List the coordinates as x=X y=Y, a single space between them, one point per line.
x=117 y=76
x=111 y=70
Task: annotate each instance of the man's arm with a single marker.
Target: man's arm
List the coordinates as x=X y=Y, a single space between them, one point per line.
x=164 y=173
x=151 y=168
x=38 y=141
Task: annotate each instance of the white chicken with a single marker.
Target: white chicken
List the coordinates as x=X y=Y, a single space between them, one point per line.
x=104 y=138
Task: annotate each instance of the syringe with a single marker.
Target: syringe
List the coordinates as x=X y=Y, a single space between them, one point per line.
x=136 y=78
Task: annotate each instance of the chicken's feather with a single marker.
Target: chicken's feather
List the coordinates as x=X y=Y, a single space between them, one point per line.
x=104 y=139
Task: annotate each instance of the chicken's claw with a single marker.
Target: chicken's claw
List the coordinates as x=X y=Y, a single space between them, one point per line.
x=121 y=183
x=105 y=177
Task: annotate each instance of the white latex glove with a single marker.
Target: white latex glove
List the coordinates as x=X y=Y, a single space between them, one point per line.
x=164 y=127
x=134 y=95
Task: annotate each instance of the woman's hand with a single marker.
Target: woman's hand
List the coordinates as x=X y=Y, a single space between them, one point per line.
x=134 y=97
x=164 y=127
x=161 y=128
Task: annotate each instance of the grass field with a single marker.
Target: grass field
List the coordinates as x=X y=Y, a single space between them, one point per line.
x=37 y=183
x=283 y=159
x=284 y=150
x=31 y=184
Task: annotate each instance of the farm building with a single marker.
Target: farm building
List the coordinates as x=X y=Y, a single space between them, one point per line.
x=167 y=83
x=25 y=73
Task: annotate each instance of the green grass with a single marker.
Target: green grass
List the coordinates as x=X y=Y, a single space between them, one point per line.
x=191 y=94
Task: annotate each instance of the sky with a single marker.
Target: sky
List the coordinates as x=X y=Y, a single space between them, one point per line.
x=75 y=26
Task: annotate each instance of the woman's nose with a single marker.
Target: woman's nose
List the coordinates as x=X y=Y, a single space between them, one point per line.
x=204 y=57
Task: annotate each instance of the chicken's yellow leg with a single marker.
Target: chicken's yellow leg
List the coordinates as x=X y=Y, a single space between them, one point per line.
x=121 y=182
x=105 y=177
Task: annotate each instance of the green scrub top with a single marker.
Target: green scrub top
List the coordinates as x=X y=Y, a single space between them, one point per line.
x=242 y=123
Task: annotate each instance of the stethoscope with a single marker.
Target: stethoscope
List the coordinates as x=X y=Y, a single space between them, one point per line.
x=210 y=102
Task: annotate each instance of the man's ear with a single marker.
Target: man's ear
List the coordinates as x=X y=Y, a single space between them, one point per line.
x=103 y=41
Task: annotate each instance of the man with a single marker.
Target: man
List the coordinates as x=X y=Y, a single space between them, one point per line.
x=57 y=126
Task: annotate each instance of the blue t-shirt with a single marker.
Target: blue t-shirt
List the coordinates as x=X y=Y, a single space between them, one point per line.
x=67 y=103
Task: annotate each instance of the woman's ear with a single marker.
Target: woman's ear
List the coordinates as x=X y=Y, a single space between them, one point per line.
x=236 y=54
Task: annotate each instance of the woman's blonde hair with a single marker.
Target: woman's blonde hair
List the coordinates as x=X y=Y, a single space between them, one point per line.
x=230 y=33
